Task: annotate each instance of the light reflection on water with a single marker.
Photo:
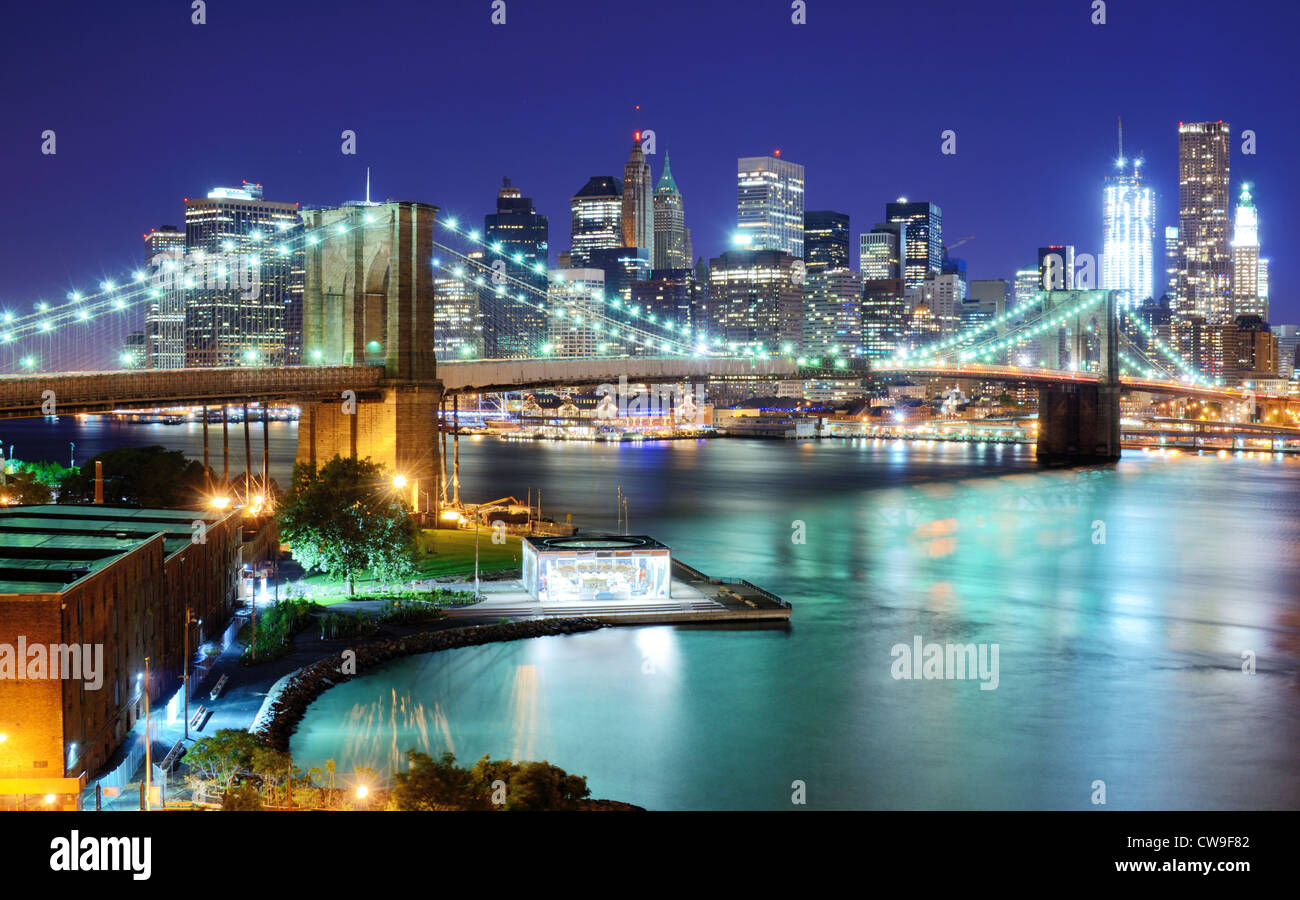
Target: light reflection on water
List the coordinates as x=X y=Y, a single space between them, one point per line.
x=1119 y=661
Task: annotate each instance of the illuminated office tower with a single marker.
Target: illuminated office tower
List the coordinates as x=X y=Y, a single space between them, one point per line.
x=1025 y=290
x=755 y=300
x=638 y=201
x=672 y=239
x=880 y=252
x=1288 y=345
x=769 y=204
x=1173 y=265
x=832 y=313
x=520 y=235
x=1128 y=225
x=596 y=221
x=884 y=317
x=164 y=319
x=922 y=238
x=1056 y=267
x=243 y=281
x=575 y=305
x=825 y=240
x=1262 y=275
x=1206 y=273
x=1245 y=258
x=457 y=317
x=671 y=295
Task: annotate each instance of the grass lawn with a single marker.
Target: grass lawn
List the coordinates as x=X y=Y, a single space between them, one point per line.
x=441 y=552
x=447 y=552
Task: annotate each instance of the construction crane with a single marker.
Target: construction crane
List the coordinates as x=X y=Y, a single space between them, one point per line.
x=948 y=247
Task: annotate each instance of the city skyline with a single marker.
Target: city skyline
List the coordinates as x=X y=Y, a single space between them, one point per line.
x=989 y=188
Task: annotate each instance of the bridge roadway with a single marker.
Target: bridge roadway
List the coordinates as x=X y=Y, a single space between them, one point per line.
x=69 y=393
x=1054 y=377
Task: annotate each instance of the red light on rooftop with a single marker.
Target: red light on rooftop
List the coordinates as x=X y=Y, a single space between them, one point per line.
x=636 y=135
x=777 y=152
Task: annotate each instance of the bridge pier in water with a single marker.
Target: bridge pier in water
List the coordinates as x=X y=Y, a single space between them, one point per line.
x=1078 y=423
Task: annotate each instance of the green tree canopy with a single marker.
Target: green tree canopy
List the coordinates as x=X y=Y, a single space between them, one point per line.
x=346 y=518
x=218 y=758
x=139 y=476
x=436 y=784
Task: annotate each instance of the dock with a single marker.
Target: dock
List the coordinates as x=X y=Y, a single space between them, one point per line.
x=696 y=598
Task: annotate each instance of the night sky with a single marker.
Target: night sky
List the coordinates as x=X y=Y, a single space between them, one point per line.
x=149 y=108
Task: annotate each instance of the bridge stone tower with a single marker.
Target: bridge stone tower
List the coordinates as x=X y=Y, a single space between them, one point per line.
x=1079 y=423
x=368 y=299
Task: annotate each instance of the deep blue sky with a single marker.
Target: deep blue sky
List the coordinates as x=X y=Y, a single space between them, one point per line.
x=149 y=109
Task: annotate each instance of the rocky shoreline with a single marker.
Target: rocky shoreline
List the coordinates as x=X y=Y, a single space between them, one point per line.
x=300 y=689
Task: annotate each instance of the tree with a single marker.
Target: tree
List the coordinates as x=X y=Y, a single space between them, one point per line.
x=439 y=784
x=139 y=476
x=532 y=785
x=214 y=761
x=24 y=489
x=242 y=798
x=346 y=518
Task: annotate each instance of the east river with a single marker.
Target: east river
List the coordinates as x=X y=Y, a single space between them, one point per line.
x=1124 y=604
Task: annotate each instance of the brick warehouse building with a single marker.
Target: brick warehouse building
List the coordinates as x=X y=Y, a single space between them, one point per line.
x=96 y=575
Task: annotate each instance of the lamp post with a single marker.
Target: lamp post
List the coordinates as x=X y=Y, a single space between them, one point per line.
x=189 y=620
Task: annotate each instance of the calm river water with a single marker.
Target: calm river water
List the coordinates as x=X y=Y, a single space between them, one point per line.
x=1118 y=662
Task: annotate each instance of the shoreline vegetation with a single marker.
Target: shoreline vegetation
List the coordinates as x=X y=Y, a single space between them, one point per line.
x=245 y=770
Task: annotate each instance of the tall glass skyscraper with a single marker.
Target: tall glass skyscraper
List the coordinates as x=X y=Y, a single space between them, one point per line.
x=596 y=221
x=1246 y=300
x=1173 y=265
x=825 y=240
x=1203 y=166
x=880 y=251
x=769 y=204
x=1128 y=226
x=164 y=321
x=520 y=234
x=672 y=239
x=638 y=201
x=923 y=238
x=240 y=291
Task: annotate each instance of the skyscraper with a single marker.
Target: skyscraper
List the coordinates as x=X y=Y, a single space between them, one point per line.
x=1245 y=258
x=672 y=239
x=832 y=312
x=755 y=299
x=922 y=237
x=825 y=240
x=1173 y=265
x=596 y=219
x=1056 y=267
x=164 y=319
x=1128 y=227
x=241 y=281
x=884 y=317
x=880 y=251
x=574 y=292
x=517 y=232
x=638 y=201
x=769 y=204
x=1203 y=166
x=1028 y=283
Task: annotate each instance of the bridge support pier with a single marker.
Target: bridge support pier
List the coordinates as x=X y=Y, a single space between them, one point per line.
x=399 y=431
x=1078 y=424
